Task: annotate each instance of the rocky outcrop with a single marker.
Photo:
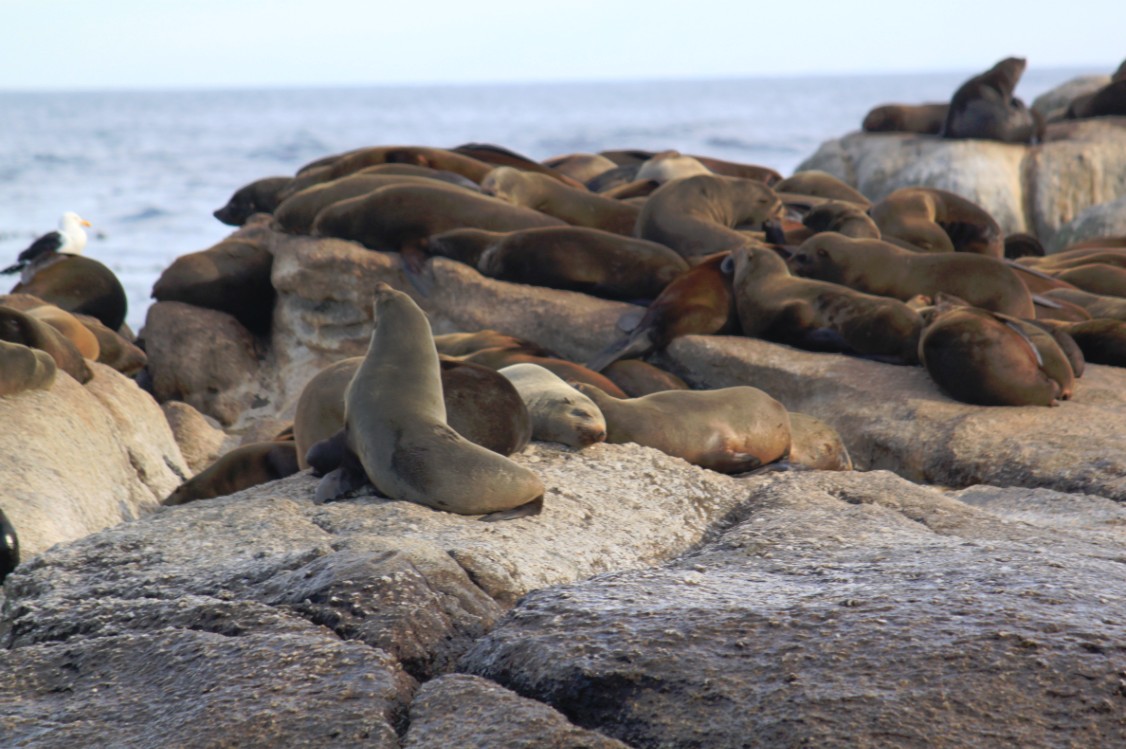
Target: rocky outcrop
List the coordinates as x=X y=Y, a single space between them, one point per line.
x=1103 y=220
x=1033 y=189
x=1052 y=105
x=79 y=458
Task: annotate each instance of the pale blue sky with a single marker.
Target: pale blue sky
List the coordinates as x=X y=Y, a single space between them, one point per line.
x=82 y=44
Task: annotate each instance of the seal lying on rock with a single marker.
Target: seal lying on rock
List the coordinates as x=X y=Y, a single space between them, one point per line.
x=559 y=412
x=931 y=220
x=24 y=368
x=241 y=468
x=984 y=107
x=395 y=426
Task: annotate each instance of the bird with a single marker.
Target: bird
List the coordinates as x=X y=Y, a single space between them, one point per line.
x=70 y=239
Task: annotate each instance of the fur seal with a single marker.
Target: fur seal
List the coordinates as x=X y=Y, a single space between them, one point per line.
x=979 y=357
x=395 y=425
x=260 y=196
x=1109 y=100
x=776 y=306
x=984 y=107
x=559 y=412
x=669 y=165
x=22 y=328
x=481 y=406
x=499 y=156
x=9 y=546
x=697 y=216
x=241 y=468
x=923 y=119
x=79 y=284
x=698 y=302
x=730 y=430
x=24 y=368
x=566 y=257
x=1022 y=244
x=638 y=378
x=930 y=220
x=71 y=327
x=577 y=207
x=232 y=276
x=498 y=358
x=581 y=167
x=881 y=268
x=1103 y=279
x=816 y=445
x=1102 y=341
x=1097 y=305
x=820 y=184
x=463 y=344
x=841 y=217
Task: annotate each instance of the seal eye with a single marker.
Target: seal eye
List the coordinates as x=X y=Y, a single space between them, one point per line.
x=822 y=252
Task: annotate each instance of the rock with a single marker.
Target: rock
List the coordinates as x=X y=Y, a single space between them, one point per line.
x=843 y=610
x=1052 y=104
x=1102 y=220
x=473 y=713
x=896 y=418
x=83 y=458
x=200 y=439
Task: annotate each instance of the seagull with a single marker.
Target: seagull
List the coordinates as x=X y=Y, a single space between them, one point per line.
x=70 y=239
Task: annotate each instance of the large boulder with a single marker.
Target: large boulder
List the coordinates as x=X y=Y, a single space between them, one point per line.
x=1052 y=104
x=75 y=459
x=1103 y=220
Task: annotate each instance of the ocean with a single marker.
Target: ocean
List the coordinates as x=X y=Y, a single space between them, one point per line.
x=147 y=168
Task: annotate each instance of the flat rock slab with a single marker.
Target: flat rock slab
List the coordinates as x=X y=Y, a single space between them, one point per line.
x=896 y=418
x=844 y=610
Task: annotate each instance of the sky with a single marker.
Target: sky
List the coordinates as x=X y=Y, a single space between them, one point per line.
x=157 y=44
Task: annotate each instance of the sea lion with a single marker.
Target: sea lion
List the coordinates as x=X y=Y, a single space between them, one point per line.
x=877 y=267
x=232 y=276
x=481 y=406
x=1097 y=305
x=669 y=165
x=395 y=425
x=638 y=378
x=22 y=328
x=931 y=220
x=984 y=107
x=391 y=217
x=1103 y=279
x=559 y=412
x=577 y=207
x=71 y=327
x=816 y=445
x=1075 y=258
x=730 y=430
x=425 y=172
x=636 y=157
x=923 y=119
x=260 y=196
x=79 y=284
x=581 y=167
x=1022 y=244
x=697 y=216
x=1108 y=101
x=566 y=257
x=776 y=306
x=821 y=184
x=979 y=357
x=1102 y=341
x=114 y=349
x=462 y=344
x=9 y=546
x=241 y=468
x=502 y=157
x=24 y=368
x=841 y=217
x=698 y=302
x=499 y=358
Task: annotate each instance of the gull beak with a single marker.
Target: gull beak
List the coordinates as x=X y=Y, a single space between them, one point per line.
x=84 y=222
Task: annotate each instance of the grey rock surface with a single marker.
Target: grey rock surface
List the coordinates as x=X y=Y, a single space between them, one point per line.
x=1102 y=220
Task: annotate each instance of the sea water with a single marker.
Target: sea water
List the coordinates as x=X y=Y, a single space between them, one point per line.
x=147 y=168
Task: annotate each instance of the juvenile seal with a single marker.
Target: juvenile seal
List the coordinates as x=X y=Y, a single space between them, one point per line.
x=395 y=424
x=984 y=107
x=559 y=412
x=24 y=368
x=814 y=444
x=698 y=216
x=241 y=468
x=730 y=430
x=923 y=119
x=776 y=306
x=877 y=267
x=932 y=220
x=260 y=196
x=577 y=207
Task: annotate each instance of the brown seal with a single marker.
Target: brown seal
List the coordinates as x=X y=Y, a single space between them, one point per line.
x=1097 y=305
x=578 y=207
x=498 y=358
x=1102 y=341
x=559 y=412
x=491 y=153
x=241 y=468
x=818 y=315
x=232 y=276
x=481 y=406
x=820 y=184
x=730 y=430
x=24 y=368
x=22 y=328
x=698 y=216
x=841 y=217
x=923 y=119
x=260 y=196
x=930 y=220
x=698 y=302
x=395 y=426
x=984 y=107
x=71 y=327
x=1103 y=279
x=463 y=344
x=979 y=357
x=581 y=167
x=877 y=267
x=79 y=284
x=816 y=445
x=565 y=257
x=638 y=378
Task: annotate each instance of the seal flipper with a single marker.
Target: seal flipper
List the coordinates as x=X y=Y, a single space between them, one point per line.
x=528 y=509
x=327 y=454
x=634 y=346
x=349 y=476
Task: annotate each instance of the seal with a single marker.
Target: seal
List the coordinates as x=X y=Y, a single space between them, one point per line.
x=669 y=165
x=1108 y=101
x=500 y=358
x=816 y=445
x=24 y=368
x=1102 y=341
x=1097 y=305
x=577 y=207
x=698 y=302
x=820 y=184
x=71 y=327
x=241 y=468
x=499 y=156
x=397 y=215
x=881 y=268
x=923 y=119
x=980 y=357
x=572 y=258
x=930 y=220
x=22 y=328
x=697 y=216
x=79 y=284
x=260 y=196
x=730 y=430
x=481 y=406
x=232 y=276
x=9 y=546
x=462 y=344
x=803 y=312
x=581 y=167
x=395 y=425
x=559 y=412
x=984 y=107
x=638 y=378
x=838 y=216
x=1103 y=279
